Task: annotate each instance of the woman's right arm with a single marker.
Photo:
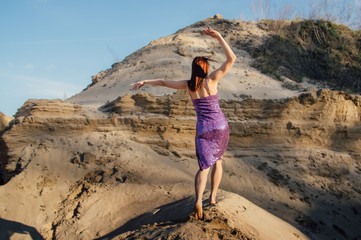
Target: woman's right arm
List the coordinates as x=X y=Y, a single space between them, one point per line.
x=231 y=57
x=161 y=82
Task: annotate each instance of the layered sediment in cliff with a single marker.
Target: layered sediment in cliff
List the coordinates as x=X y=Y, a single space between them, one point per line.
x=323 y=118
x=298 y=158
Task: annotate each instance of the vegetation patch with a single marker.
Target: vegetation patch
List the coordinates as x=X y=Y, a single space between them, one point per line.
x=316 y=49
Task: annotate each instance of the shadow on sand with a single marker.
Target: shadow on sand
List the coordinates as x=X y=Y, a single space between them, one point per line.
x=9 y=228
x=175 y=212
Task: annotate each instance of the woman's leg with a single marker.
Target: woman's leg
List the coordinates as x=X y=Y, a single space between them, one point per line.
x=216 y=177
x=200 y=185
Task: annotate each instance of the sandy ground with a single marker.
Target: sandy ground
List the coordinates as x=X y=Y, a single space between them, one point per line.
x=113 y=188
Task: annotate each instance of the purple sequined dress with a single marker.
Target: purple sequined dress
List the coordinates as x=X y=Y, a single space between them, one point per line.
x=212 y=131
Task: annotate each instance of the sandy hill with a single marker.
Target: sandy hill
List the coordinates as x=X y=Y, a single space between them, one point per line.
x=113 y=164
x=170 y=58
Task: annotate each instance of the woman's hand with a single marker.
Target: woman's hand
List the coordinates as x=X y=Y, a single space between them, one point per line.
x=138 y=85
x=213 y=33
x=231 y=57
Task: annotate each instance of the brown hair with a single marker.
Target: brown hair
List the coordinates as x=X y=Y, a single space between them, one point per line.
x=200 y=68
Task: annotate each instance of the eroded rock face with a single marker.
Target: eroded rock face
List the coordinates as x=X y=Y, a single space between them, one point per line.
x=323 y=118
x=288 y=156
x=35 y=120
x=48 y=108
x=4 y=121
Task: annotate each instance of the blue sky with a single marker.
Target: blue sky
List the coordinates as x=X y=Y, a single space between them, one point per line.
x=51 y=48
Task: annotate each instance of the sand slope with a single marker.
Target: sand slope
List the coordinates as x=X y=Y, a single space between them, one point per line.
x=170 y=58
x=234 y=217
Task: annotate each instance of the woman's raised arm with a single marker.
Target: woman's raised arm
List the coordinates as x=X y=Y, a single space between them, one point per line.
x=161 y=82
x=231 y=57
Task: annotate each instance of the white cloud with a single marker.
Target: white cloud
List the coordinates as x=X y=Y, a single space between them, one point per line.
x=34 y=87
x=50 y=67
x=29 y=66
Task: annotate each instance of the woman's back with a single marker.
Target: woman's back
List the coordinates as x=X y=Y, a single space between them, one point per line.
x=208 y=88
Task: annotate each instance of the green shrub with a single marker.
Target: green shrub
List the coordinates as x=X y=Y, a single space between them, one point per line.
x=320 y=50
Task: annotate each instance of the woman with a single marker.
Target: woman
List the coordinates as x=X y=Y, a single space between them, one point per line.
x=212 y=128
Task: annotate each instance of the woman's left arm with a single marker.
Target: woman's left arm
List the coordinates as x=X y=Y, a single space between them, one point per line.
x=161 y=82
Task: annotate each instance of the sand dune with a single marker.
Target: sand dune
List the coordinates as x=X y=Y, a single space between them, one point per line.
x=171 y=57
